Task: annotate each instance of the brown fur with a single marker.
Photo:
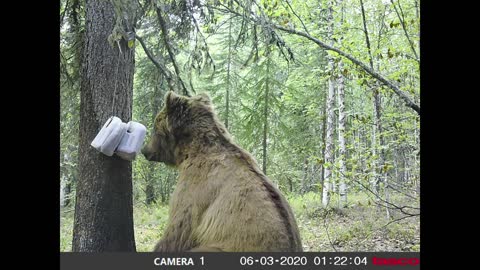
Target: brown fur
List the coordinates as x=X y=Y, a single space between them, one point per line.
x=222 y=201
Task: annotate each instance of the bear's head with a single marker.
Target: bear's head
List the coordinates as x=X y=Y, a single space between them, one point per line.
x=183 y=124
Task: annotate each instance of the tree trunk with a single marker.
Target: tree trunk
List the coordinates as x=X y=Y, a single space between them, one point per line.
x=382 y=173
x=66 y=182
x=229 y=60
x=324 y=132
x=327 y=182
x=378 y=163
x=68 y=192
x=375 y=163
x=341 y=136
x=329 y=139
x=103 y=209
x=304 y=177
x=265 y=112
x=150 y=194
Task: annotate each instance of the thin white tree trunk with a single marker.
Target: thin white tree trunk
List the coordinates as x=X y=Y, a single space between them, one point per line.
x=329 y=138
x=341 y=136
x=375 y=179
x=330 y=106
x=382 y=173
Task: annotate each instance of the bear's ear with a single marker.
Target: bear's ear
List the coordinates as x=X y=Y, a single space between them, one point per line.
x=177 y=109
x=204 y=98
x=174 y=102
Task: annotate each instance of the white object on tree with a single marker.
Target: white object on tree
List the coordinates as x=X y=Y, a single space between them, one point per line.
x=131 y=141
x=123 y=139
x=109 y=136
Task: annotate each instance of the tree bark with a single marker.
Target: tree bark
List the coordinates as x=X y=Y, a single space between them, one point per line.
x=324 y=135
x=377 y=129
x=329 y=140
x=341 y=136
x=377 y=162
x=330 y=106
x=342 y=154
x=103 y=209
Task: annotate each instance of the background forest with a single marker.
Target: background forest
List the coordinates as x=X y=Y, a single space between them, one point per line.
x=324 y=94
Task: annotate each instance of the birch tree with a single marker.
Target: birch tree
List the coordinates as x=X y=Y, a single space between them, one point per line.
x=341 y=126
x=330 y=106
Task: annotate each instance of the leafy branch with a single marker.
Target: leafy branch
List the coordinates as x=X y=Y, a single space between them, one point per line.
x=262 y=21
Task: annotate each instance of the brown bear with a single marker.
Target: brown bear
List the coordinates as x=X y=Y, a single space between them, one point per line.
x=222 y=200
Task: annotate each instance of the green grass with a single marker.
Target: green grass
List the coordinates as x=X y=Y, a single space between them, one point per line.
x=149 y=224
x=359 y=227
x=66 y=228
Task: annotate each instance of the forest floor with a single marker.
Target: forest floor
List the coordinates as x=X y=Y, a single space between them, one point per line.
x=359 y=227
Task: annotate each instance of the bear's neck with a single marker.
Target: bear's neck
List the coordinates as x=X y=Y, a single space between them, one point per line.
x=203 y=144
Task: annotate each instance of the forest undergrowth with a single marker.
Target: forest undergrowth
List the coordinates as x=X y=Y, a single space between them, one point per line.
x=361 y=226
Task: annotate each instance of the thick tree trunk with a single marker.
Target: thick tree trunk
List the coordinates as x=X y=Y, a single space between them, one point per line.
x=103 y=209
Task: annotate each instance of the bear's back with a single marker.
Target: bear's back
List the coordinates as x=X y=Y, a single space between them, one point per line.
x=238 y=209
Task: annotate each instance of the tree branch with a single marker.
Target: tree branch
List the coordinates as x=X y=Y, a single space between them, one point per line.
x=408 y=102
x=298 y=17
x=389 y=204
x=326 y=230
x=160 y=66
x=62 y=15
x=163 y=26
x=402 y=22
x=365 y=30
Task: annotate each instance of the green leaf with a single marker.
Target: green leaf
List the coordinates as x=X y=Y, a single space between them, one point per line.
x=131 y=43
